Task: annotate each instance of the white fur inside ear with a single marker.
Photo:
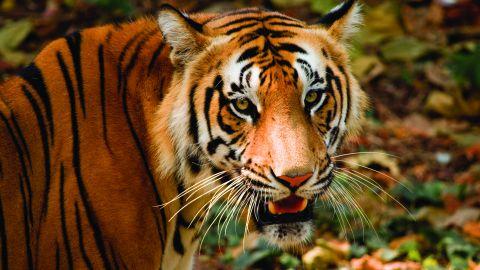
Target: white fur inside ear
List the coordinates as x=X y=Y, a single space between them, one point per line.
x=352 y=21
x=178 y=34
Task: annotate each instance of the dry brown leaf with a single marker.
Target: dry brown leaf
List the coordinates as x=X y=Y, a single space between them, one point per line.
x=472 y=229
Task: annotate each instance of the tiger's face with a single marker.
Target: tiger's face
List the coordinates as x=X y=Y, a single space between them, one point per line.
x=269 y=99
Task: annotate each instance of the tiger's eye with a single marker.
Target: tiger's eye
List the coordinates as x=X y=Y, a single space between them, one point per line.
x=311 y=97
x=242 y=104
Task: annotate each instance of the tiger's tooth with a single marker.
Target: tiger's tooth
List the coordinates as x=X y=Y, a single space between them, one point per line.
x=303 y=205
x=271 y=208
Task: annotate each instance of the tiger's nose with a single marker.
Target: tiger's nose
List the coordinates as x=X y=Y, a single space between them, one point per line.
x=296 y=181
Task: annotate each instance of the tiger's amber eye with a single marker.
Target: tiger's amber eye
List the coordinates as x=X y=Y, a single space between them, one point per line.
x=311 y=97
x=242 y=104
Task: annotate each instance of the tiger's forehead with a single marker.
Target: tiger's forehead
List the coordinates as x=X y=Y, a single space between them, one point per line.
x=245 y=24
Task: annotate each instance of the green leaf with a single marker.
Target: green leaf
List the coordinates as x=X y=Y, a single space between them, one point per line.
x=11 y=36
x=14 y=33
x=404 y=49
x=465 y=67
x=249 y=258
x=323 y=6
x=288 y=261
x=431 y=263
x=357 y=251
x=411 y=249
x=124 y=6
x=388 y=254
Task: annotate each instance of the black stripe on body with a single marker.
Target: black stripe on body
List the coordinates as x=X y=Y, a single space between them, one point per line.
x=22 y=140
x=114 y=256
x=101 y=64
x=26 y=224
x=63 y=219
x=74 y=42
x=34 y=77
x=57 y=256
x=123 y=53
x=21 y=159
x=155 y=55
x=131 y=64
x=45 y=146
x=3 y=238
x=78 y=221
x=92 y=219
x=18 y=141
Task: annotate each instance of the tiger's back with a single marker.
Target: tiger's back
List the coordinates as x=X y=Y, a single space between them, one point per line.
x=75 y=178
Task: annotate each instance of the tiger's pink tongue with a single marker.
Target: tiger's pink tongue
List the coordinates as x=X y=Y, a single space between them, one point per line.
x=289 y=205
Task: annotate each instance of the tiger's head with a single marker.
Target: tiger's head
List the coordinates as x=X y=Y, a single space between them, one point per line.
x=262 y=101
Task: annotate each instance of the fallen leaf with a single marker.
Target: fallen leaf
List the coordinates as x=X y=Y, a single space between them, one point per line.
x=462 y=216
x=451 y=202
x=434 y=215
x=11 y=36
x=367 y=67
x=376 y=159
x=14 y=33
x=366 y=263
x=404 y=49
x=319 y=258
x=441 y=103
x=402 y=266
x=473 y=152
x=288 y=3
x=472 y=229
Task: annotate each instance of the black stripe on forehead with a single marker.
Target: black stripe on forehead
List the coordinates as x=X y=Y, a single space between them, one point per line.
x=290 y=47
x=236 y=13
x=247 y=54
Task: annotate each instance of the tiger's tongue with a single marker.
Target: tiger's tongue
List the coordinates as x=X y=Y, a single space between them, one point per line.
x=289 y=205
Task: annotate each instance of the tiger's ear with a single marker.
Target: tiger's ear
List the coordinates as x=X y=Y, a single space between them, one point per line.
x=183 y=34
x=343 y=20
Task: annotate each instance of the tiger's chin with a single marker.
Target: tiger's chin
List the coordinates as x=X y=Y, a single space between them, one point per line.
x=286 y=223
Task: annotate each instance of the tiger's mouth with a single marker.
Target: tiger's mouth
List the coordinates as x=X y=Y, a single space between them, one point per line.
x=288 y=210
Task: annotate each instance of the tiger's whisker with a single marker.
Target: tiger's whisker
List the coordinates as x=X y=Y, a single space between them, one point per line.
x=379 y=172
x=197 y=198
x=366 y=152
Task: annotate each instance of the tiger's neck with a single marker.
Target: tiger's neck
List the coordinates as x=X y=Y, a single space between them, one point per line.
x=145 y=76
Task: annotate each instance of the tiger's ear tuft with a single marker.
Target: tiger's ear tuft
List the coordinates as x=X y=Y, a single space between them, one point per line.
x=183 y=34
x=343 y=20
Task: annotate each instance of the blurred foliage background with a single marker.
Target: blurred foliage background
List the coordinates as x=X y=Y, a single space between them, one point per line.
x=419 y=61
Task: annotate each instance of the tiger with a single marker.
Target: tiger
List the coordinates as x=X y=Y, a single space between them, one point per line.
x=116 y=140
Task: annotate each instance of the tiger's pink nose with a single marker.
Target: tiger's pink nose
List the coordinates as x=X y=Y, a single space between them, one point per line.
x=296 y=180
